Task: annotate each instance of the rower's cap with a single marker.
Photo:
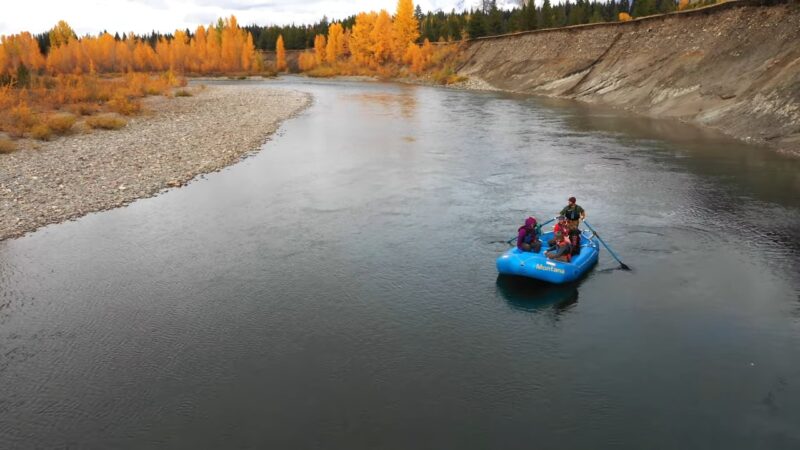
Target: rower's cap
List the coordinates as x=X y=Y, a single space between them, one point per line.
x=572 y=200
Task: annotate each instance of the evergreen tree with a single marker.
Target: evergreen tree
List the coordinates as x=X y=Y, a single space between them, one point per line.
x=530 y=18
x=546 y=15
x=477 y=24
x=494 y=22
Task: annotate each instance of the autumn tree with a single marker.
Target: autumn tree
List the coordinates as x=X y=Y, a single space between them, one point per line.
x=335 y=46
x=20 y=50
x=405 y=29
x=381 y=38
x=280 y=55
x=306 y=61
x=361 y=44
x=319 y=48
x=61 y=34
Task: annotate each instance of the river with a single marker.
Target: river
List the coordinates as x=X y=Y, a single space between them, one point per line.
x=337 y=289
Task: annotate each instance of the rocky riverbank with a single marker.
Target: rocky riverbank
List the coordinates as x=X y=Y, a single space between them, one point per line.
x=176 y=140
x=734 y=67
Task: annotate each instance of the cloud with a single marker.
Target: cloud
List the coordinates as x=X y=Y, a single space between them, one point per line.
x=157 y=4
x=142 y=16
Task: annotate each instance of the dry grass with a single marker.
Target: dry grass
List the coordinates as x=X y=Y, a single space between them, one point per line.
x=86 y=95
x=41 y=132
x=322 y=72
x=122 y=104
x=183 y=93
x=60 y=123
x=106 y=122
x=7 y=145
x=447 y=76
x=85 y=109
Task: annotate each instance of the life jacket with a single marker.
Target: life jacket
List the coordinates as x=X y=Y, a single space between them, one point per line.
x=531 y=230
x=575 y=241
x=568 y=252
x=529 y=234
x=572 y=214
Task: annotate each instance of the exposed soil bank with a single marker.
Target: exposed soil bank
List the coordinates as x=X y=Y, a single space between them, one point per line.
x=181 y=138
x=734 y=67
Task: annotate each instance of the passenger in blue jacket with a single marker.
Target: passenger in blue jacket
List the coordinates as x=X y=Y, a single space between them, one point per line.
x=528 y=237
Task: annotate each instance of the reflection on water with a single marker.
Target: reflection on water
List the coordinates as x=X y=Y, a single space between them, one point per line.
x=403 y=102
x=536 y=296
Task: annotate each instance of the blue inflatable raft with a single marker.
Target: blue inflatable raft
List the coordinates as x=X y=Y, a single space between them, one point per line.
x=539 y=267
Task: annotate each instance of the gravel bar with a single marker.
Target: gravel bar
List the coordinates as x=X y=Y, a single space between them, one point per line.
x=178 y=139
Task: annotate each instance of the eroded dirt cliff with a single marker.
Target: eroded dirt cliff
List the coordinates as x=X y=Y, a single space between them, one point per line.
x=734 y=67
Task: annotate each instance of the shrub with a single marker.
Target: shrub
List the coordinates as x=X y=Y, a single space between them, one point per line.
x=85 y=109
x=7 y=145
x=122 y=104
x=322 y=72
x=60 y=123
x=183 y=93
x=447 y=76
x=106 y=122
x=41 y=132
x=22 y=118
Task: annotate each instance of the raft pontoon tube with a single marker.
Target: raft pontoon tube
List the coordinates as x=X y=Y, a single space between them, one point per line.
x=539 y=267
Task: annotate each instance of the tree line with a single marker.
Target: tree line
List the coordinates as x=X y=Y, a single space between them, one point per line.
x=489 y=20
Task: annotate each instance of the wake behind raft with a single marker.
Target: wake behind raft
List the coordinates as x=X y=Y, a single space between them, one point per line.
x=537 y=266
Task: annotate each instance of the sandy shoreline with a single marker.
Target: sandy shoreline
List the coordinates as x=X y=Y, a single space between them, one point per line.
x=177 y=140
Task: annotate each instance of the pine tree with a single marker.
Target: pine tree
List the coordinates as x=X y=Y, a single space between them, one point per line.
x=477 y=25
x=494 y=23
x=546 y=15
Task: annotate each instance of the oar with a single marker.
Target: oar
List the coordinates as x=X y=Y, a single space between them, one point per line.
x=622 y=265
x=538 y=225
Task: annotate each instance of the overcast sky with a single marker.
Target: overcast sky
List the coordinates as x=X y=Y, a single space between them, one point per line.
x=141 y=16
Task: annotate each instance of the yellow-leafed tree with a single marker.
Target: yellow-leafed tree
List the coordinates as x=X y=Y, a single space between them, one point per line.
x=61 y=34
x=405 y=29
x=382 y=38
x=360 y=43
x=306 y=61
x=319 y=48
x=280 y=55
x=335 y=48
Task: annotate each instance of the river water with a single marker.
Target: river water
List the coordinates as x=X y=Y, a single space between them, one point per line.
x=338 y=290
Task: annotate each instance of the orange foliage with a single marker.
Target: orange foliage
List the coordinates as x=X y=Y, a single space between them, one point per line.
x=335 y=47
x=319 y=48
x=225 y=49
x=280 y=55
x=376 y=45
x=683 y=4
x=306 y=61
x=32 y=85
x=24 y=110
x=361 y=38
x=405 y=29
x=381 y=37
x=19 y=49
x=624 y=17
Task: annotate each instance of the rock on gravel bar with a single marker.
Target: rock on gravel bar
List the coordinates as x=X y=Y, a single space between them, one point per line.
x=166 y=147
